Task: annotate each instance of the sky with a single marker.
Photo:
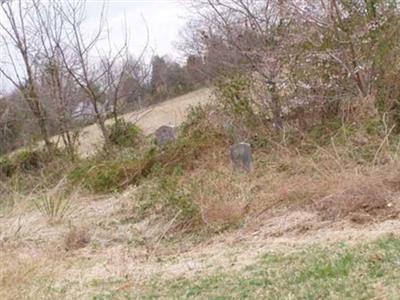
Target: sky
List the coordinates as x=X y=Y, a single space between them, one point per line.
x=163 y=18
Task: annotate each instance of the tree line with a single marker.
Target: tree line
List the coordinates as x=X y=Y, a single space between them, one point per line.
x=278 y=62
x=64 y=77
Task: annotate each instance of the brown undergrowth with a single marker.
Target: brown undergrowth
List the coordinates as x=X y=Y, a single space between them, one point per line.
x=145 y=204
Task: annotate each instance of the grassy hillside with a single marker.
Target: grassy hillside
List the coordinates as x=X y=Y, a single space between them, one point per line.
x=171 y=112
x=318 y=217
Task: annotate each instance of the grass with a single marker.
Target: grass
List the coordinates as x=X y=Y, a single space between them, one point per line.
x=367 y=271
x=197 y=139
x=188 y=187
x=55 y=204
x=53 y=207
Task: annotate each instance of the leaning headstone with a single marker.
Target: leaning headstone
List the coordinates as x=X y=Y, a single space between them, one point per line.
x=241 y=157
x=165 y=134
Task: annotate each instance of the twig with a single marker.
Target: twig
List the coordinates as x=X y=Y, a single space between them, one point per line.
x=385 y=140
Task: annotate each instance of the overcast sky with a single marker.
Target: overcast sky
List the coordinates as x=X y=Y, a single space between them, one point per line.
x=164 y=19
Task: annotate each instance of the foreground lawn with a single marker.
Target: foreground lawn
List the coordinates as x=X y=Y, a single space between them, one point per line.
x=367 y=271
x=370 y=270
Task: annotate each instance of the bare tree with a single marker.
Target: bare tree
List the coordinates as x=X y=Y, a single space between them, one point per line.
x=126 y=83
x=56 y=84
x=92 y=65
x=124 y=76
x=19 y=39
x=77 y=51
x=249 y=29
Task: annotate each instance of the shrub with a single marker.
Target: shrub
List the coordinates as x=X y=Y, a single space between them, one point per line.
x=124 y=134
x=6 y=167
x=237 y=100
x=196 y=138
x=98 y=177
x=171 y=193
x=27 y=160
x=112 y=175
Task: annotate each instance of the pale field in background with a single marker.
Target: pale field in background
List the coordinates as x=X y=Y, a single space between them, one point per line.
x=171 y=112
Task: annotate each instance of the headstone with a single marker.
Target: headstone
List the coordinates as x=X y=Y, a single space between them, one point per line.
x=165 y=134
x=242 y=157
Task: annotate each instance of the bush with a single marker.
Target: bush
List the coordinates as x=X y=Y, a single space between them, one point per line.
x=98 y=177
x=6 y=167
x=27 y=160
x=112 y=175
x=124 y=134
x=197 y=138
x=31 y=160
x=170 y=194
x=234 y=94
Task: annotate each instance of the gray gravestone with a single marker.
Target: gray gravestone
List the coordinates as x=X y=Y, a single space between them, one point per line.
x=165 y=134
x=241 y=157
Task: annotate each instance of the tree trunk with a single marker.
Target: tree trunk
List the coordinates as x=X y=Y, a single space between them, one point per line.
x=32 y=98
x=102 y=125
x=276 y=108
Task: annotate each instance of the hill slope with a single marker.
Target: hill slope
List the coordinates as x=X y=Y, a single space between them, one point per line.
x=170 y=112
x=314 y=228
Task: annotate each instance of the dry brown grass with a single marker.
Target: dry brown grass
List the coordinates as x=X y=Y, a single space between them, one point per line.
x=26 y=275
x=223 y=197
x=363 y=197
x=294 y=195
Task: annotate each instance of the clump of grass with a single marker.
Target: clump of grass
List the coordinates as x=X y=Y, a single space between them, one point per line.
x=216 y=199
x=224 y=197
x=53 y=207
x=169 y=195
x=104 y=176
x=97 y=177
x=28 y=160
x=6 y=167
x=56 y=204
x=124 y=134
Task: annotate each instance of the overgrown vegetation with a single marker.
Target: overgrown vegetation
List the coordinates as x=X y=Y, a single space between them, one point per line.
x=124 y=134
x=196 y=139
x=314 y=89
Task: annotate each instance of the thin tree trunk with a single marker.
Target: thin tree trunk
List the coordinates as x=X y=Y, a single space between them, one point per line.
x=40 y=115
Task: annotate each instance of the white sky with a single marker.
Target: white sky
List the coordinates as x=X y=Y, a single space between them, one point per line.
x=164 y=19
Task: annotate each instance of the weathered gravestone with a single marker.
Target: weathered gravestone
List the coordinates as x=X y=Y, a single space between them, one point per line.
x=242 y=157
x=165 y=134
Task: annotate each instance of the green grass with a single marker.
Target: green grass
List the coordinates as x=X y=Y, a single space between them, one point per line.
x=368 y=271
